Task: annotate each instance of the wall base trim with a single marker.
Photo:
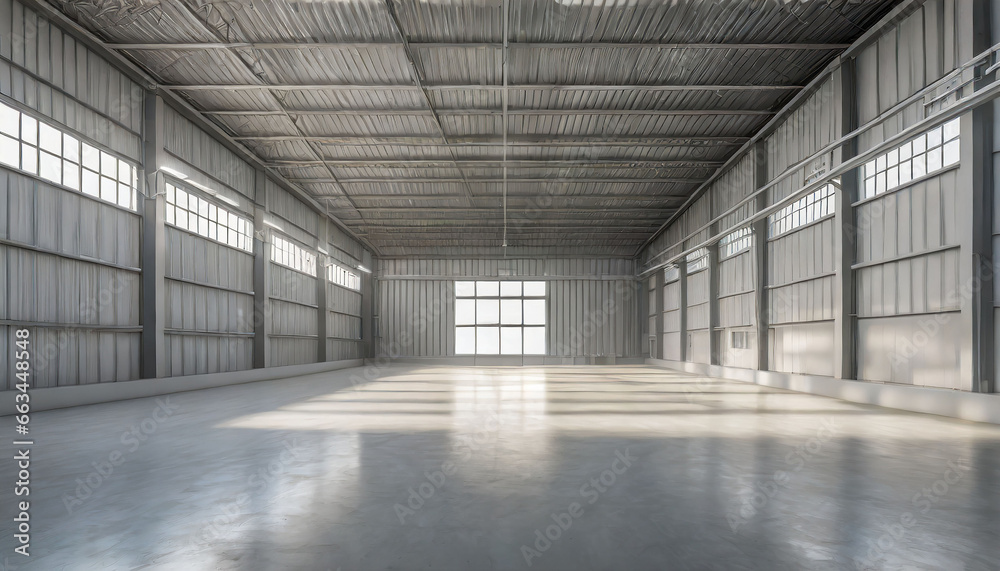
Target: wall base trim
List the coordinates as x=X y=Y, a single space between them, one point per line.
x=517 y=361
x=78 y=395
x=976 y=407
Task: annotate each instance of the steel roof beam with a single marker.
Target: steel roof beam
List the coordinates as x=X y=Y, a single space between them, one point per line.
x=490 y=112
x=616 y=163
x=159 y=46
x=567 y=141
x=471 y=87
x=500 y=179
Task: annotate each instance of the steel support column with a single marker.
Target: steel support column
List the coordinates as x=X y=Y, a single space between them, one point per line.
x=845 y=237
x=682 y=271
x=152 y=262
x=261 y=305
x=322 y=310
x=759 y=229
x=715 y=341
x=976 y=178
x=659 y=303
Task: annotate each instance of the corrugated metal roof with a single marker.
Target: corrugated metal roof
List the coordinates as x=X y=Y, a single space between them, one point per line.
x=600 y=108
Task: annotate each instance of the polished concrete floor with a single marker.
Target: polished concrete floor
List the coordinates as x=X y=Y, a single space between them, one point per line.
x=566 y=468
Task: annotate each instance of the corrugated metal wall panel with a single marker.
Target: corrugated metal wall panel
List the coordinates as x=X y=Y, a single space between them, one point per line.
x=189 y=143
x=219 y=301
x=802 y=348
x=189 y=354
x=737 y=299
x=587 y=315
x=290 y=285
x=49 y=71
x=291 y=208
x=917 y=52
x=697 y=300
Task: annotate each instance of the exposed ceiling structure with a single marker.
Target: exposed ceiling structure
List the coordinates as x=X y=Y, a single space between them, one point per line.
x=394 y=113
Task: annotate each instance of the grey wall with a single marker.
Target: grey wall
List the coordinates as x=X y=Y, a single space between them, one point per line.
x=592 y=304
x=73 y=265
x=902 y=257
x=69 y=262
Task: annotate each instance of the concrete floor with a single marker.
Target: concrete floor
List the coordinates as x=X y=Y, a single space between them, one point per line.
x=697 y=474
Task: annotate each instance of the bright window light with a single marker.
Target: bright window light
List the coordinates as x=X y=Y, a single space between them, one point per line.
x=929 y=152
x=190 y=212
x=343 y=277
x=500 y=318
x=47 y=151
x=291 y=255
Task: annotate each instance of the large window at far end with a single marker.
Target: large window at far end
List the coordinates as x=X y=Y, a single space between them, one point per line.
x=499 y=318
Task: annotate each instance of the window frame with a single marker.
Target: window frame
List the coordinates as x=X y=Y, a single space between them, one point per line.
x=122 y=185
x=475 y=297
x=173 y=207
x=282 y=256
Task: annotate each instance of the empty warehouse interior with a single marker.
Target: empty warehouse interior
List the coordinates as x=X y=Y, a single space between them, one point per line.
x=499 y=284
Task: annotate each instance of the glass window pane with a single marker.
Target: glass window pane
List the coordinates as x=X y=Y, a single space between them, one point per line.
x=124 y=196
x=951 y=153
x=534 y=340
x=934 y=159
x=109 y=189
x=124 y=172
x=91 y=184
x=951 y=129
x=905 y=172
x=510 y=311
x=905 y=151
x=29 y=130
x=919 y=144
x=465 y=312
x=487 y=340
x=510 y=340
x=29 y=158
x=71 y=175
x=50 y=139
x=488 y=289
x=71 y=148
x=534 y=289
x=510 y=289
x=9 y=119
x=169 y=214
x=534 y=312
x=870 y=169
x=91 y=157
x=10 y=152
x=919 y=166
x=465 y=289
x=934 y=137
x=109 y=165
x=487 y=311
x=465 y=341
x=50 y=167
x=892 y=177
